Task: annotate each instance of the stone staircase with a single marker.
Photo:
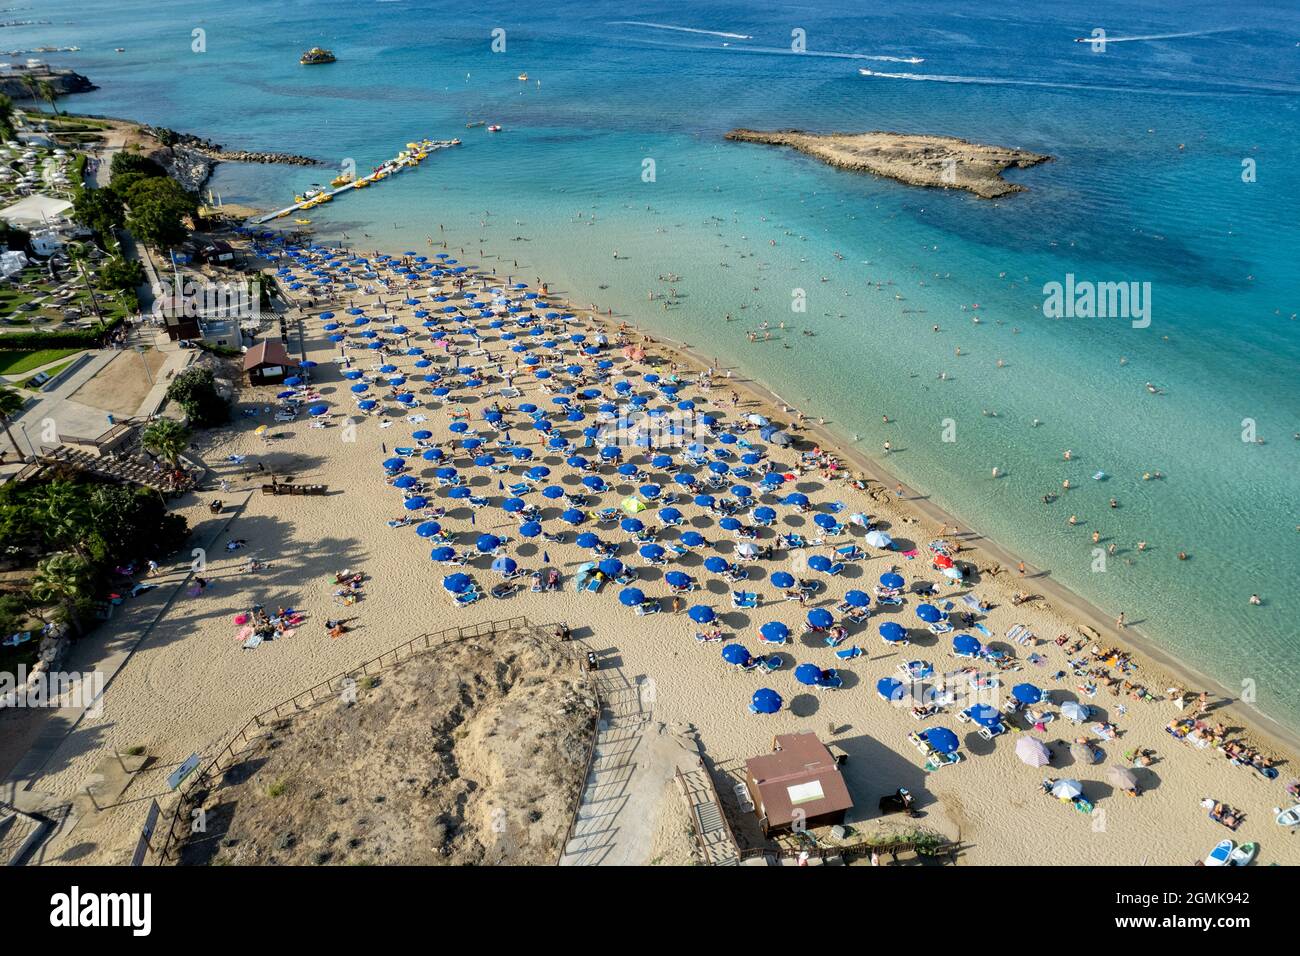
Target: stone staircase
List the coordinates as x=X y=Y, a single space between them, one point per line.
x=598 y=834
x=714 y=836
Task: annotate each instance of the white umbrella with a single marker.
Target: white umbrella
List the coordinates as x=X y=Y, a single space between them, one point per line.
x=1067 y=789
x=878 y=539
x=859 y=519
x=1074 y=711
x=952 y=574
x=757 y=420
x=747 y=548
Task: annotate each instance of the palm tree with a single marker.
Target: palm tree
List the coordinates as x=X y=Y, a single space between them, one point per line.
x=166 y=438
x=49 y=95
x=65 y=516
x=64 y=579
x=10 y=404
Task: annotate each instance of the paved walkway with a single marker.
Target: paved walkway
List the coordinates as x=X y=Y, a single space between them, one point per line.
x=636 y=759
x=107 y=651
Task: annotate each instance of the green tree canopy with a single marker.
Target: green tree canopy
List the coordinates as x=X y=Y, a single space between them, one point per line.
x=124 y=162
x=195 y=391
x=99 y=210
x=166 y=438
x=159 y=207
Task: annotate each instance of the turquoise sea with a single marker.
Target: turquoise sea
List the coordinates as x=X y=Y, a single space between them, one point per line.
x=1149 y=184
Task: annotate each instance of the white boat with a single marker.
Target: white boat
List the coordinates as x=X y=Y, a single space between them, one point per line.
x=1288 y=818
x=494 y=128
x=523 y=77
x=865 y=72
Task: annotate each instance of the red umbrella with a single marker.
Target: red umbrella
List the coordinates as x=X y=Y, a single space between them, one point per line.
x=942 y=561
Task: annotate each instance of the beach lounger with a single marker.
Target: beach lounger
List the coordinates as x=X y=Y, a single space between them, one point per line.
x=648 y=607
x=707 y=638
x=849 y=552
x=520 y=488
x=988 y=733
x=916 y=670
x=939 y=761
x=857 y=615
x=940 y=628
x=467 y=598
x=744 y=599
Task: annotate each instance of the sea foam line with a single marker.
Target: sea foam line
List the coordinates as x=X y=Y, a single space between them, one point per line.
x=667 y=26
x=1157 y=36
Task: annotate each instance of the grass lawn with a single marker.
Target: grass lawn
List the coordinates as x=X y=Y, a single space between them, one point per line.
x=51 y=372
x=15 y=363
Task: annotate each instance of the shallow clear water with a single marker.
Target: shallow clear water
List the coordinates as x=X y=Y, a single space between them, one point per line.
x=1122 y=201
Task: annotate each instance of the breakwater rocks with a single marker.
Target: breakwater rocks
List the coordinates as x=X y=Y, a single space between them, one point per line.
x=192 y=158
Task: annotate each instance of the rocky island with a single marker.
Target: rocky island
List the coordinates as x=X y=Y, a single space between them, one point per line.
x=945 y=162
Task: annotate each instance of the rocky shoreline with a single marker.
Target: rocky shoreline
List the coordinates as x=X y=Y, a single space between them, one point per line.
x=63 y=82
x=191 y=159
x=943 y=162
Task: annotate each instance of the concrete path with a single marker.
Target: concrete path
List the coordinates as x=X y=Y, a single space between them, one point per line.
x=134 y=622
x=636 y=759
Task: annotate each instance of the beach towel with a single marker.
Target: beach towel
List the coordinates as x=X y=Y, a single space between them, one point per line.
x=983 y=630
x=252 y=642
x=971 y=601
x=910 y=555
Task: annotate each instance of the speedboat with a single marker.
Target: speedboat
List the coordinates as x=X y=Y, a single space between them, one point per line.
x=865 y=72
x=494 y=128
x=523 y=77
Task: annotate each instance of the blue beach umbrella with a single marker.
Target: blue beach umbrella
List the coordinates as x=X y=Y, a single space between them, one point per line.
x=774 y=632
x=487 y=543
x=1027 y=693
x=530 y=529
x=715 y=564
x=735 y=654
x=677 y=579
x=966 y=645
x=631 y=597
x=985 y=715
x=652 y=552
x=929 y=613
x=428 y=529
x=765 y=701
x=808 y=674
x=782 y=579
x=893 y=632
x=503 y=564
x=891 y=580
x=941 y=739
x=819 y=562
x=701 y=614
x=415 y=503
x=587 y=539
x=610 y=567
x=457 y=583
x=819 y=617
x=891 y=689
x=442 y=553
x=857 y=598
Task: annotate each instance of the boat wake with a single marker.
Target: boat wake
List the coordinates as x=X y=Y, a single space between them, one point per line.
x=667 y=26
x=1225 y=89
x=786 y=51
x=1156 y=36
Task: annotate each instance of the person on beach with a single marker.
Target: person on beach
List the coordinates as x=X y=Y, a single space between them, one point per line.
x=1119 y=621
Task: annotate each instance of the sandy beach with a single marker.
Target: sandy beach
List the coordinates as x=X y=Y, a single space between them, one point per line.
x=188 y=683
